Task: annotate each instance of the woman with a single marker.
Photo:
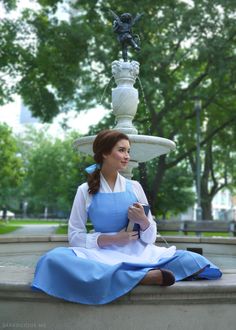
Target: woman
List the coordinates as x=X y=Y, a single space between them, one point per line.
x=104 y=265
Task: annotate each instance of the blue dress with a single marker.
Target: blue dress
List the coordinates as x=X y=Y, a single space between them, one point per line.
x=100 y=275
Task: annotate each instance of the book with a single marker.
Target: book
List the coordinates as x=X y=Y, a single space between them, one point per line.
x=135 y=226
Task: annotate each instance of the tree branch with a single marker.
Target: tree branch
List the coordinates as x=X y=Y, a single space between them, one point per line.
x=208 y=138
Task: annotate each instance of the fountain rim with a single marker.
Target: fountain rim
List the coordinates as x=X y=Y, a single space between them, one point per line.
x=134 y=138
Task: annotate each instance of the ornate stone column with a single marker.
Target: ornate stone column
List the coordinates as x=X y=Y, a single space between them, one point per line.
x=125 y=96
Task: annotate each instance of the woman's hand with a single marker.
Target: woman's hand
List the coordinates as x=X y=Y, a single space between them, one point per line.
x=136 y=214
x=124 y=237
x=120 y=239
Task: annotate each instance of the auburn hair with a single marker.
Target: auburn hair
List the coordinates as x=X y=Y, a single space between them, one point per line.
x=103 y=145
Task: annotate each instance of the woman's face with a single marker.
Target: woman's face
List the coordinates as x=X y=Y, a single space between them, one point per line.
x=119 y=157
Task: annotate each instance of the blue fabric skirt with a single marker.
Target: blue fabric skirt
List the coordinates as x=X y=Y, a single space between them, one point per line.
x=62 y=274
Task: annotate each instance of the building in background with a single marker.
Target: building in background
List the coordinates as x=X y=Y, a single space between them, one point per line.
x=223 y=207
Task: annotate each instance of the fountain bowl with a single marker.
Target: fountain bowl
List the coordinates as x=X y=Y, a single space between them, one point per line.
x=143 y=147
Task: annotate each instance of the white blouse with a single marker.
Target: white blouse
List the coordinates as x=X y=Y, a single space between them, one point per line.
x=77 y=233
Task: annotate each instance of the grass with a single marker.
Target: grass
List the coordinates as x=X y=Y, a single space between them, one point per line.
x=6 y=228
x=215 y=234
x=204 y=234
x=35 y=222
x=62 y=230
x=12 y=225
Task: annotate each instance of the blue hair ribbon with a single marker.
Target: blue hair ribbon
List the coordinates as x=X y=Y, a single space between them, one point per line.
x=90 y=169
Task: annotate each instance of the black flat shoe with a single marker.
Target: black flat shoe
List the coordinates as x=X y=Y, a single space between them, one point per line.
x=168 y=278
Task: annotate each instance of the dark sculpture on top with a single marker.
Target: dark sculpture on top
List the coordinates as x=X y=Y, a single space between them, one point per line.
x=122 y=25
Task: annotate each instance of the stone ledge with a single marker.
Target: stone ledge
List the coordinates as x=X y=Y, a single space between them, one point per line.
x=15 y=285
x=200 y=304
x=194 y=239
x=170 y=239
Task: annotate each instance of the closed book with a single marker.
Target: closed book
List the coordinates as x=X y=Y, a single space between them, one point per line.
x=135 y=226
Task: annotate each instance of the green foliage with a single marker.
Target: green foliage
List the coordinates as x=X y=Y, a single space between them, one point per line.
x=188 y=50
x=11 y=171
x=9 y=4
x=175 y=194
x=53 y=172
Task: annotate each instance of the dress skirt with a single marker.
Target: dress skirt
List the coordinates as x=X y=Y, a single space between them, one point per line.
x=61 y=273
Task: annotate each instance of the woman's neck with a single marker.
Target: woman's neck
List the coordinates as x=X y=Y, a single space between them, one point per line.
x=110 y=177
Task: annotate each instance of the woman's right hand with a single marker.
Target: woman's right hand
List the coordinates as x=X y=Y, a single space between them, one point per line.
x=121 y=238
x=125 y=237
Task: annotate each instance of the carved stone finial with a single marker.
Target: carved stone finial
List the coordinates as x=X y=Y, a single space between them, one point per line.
x=125 y=71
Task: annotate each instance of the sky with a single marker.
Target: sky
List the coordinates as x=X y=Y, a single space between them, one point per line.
x=10 y=113
x=80 y=122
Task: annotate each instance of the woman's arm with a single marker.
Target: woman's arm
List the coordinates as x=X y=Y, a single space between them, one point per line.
x=77 y=232
x=120 y=239
x=148 y=233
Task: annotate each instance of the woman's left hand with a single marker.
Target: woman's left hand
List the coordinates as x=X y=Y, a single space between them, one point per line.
x=137 y=215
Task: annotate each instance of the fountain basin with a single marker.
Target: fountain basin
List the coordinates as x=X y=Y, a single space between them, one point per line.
x=186 y=305
x=143 y=147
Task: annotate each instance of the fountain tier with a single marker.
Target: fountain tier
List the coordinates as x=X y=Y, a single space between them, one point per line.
x=143 y=147
x=125 y=102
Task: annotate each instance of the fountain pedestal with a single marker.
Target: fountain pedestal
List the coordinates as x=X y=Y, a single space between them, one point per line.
x=125 y=97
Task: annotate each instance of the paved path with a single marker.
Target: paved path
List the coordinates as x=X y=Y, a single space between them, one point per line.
x=34 y=229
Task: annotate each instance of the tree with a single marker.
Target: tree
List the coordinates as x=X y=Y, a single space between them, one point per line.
x=53 y=172
x=218 y=168
x=175 y=195
x=188 y=49
x=11 y=170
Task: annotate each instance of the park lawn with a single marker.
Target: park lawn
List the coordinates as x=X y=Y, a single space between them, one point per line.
x=216 y=234
x=35 y=222
x=6 y=228
x=206 y=234
x=63 y=229
x=12 y=225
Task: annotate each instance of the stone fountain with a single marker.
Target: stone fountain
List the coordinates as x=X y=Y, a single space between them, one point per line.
x=125 y=101
x=176 y=307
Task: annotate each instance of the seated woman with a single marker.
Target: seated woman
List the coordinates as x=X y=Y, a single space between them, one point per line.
x=101 y=266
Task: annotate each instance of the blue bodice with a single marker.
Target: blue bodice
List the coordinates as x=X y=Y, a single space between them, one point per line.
x=108 y=212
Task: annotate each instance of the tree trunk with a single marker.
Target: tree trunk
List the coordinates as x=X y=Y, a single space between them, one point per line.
x=157 y=180
x=206 y=208
x=143 y=178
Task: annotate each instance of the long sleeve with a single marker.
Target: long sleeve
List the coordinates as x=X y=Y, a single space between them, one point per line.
x=149 y=235
x=77 y=232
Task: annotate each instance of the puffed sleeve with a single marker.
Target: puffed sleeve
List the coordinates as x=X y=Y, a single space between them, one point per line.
x=149 y=235
x=77 y=232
